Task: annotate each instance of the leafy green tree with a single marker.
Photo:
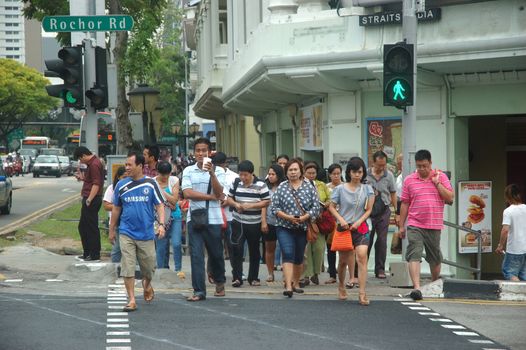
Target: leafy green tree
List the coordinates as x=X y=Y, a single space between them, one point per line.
x=22 y=96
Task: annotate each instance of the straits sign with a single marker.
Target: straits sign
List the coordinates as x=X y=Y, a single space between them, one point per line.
x=381 y=18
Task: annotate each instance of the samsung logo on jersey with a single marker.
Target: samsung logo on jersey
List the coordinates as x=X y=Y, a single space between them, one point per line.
x=137 y=199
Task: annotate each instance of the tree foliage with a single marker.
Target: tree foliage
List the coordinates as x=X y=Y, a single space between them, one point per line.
x=22 y=96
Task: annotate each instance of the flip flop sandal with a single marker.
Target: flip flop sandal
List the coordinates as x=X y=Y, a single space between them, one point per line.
x=211 y=279
x=149 y=293
x=130 y=307
x=255 y=283
x=196 y=297
x=220 y=290
x=236 y=284
x=270 y=278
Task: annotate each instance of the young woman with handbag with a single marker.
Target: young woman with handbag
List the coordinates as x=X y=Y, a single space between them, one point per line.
x=296 y=205
x=352 y=213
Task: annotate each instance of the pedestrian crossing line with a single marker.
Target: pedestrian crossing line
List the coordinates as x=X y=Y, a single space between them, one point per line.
x=466 y=334
x=429 y=313
x=118 y=340
x=15 y=280
x=54 y=280
x=410 y=303
x=118 y=333
x=453 y=326
x=403 y=299
x=118 y=325
x=118 y=347
x=117 y=320
x=116 y=314
x=481 y=341
x=116 y=286
x=419 y=308
x=115 y=307
x=117 y=298
x=120 y=291
x=117 y=301
x=441 y=320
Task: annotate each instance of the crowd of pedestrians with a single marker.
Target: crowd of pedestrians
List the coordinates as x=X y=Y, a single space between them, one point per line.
x=155 y=205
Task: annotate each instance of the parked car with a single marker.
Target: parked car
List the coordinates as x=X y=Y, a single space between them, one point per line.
x=6 y=193
x=65 y=165
x=47 y=165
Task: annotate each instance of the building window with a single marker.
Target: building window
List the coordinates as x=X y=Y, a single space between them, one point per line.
x=11 y=16
x=11 y=24
x=223 y=22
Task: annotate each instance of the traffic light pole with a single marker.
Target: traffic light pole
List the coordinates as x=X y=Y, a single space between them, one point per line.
x=409 y=128
x=92 y=132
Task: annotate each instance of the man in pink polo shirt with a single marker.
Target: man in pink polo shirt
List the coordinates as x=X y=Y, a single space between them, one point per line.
x=424 y=194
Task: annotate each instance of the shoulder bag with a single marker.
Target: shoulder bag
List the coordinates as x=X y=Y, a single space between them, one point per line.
x=199 y=217
x=342 y=240
x=312 y=228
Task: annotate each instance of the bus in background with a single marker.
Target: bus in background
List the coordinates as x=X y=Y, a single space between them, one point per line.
x=35 y=142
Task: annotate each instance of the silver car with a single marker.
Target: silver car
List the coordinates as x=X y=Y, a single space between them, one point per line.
x=47 y=165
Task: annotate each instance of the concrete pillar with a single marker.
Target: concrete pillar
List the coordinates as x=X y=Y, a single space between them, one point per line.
x=282 y=7
x=309 y=6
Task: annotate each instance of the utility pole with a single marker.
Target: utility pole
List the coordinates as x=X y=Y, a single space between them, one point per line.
x=90 y=118
x=409 y=26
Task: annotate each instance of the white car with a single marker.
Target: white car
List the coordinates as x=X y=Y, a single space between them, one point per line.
x=47 y=165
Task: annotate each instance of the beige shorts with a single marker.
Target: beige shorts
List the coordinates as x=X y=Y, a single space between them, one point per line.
x=418 y=238
x=141 y=251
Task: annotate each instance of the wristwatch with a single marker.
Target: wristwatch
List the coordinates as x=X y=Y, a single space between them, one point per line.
x=88 y=201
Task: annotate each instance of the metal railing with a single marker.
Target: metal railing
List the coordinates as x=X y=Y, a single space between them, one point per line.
x=478 y=234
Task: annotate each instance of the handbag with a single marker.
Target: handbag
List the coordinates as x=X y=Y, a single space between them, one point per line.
x=199 y=217
x=326 y=222
x=342 y=240
x=379 y=206
x=396 y=243
x=312 y=229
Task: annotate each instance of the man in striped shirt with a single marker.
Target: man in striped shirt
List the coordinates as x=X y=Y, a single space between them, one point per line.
x=424 y=194
x=248 y=196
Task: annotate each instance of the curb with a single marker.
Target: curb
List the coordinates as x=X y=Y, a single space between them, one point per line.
x=29 y=219
x=478 y=290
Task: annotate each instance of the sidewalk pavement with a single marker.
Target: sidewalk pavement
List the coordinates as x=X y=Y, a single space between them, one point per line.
x=37 y=264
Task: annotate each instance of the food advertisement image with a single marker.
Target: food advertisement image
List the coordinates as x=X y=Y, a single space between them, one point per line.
x=474 y=212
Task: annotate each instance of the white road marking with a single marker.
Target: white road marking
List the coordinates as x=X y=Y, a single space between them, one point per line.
x=15 y=280
x=419 y=308
x=115 y=320
x=429 y=313
x=117 y=301
x=117 y=298
x=441 y=320
x=118 y=347
x=481 y=341
x=118 y=325
x=115 y=307
x=410 y=303
x=118 y=333
x=118 y=340
x=453 y=326
x=466 y=334
x=115 y=286
x=116 y=314
x=54 y=280
x=403 y=299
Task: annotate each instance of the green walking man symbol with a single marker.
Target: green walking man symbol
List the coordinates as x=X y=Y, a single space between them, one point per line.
x=398 y=90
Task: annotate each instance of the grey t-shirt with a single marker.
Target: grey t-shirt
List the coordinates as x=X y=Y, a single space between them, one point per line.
x=351 y=203
x=386 y=185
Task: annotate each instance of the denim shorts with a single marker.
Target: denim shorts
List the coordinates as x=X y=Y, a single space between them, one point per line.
x=514 y=265
x=292 y=243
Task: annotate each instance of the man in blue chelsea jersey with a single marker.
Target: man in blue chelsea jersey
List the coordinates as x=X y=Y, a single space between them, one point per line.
x=134 y=201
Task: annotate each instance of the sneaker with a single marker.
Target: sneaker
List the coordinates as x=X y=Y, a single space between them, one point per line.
x=92 y=258
x=244 y=277
x=81 y=257
x=416 y=295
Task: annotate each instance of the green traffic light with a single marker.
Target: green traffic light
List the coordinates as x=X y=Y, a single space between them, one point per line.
x=398 y=91
x=70 y=98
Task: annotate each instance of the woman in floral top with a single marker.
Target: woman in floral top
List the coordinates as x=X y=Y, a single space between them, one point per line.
x=292 y=222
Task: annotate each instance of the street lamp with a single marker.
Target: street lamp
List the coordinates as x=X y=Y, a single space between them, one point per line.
x=194 y=128
x=144 y=99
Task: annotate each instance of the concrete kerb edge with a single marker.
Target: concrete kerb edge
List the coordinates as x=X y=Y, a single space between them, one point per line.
x=40 y=214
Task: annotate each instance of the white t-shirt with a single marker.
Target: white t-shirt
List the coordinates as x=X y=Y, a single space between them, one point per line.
x=108 y=197
x=515 y=217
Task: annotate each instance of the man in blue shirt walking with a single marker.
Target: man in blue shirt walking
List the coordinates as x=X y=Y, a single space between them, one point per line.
x=134 y=201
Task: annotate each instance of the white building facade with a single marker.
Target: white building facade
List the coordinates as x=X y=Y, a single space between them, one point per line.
x=311 y=78
x=12 y=40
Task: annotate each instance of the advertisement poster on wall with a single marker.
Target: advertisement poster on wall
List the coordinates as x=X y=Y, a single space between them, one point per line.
x=311 y=128
x=384 y=134
x=474 y=211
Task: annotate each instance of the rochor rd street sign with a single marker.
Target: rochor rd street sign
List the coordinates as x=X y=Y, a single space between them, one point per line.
x=87 y=23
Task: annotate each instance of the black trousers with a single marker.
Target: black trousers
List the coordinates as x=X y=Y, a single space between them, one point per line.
x=331 y=259
x=89 y=226
x=251 y=233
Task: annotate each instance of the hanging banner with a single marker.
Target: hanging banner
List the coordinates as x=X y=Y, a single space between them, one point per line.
x=384 y=134
x=311 y=128
x=474 y=211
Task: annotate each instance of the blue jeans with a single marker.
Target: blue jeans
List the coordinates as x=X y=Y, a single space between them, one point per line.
x=116 y=250
x=292 y=243
x=277 y=256
x=514 y=265
x=162 y=246
x=209 y=237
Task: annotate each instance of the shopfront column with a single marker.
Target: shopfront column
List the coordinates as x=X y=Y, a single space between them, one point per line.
x=309 y=6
